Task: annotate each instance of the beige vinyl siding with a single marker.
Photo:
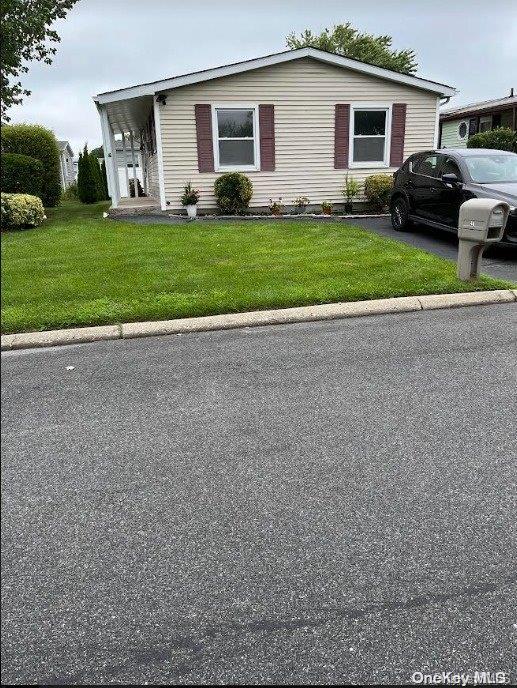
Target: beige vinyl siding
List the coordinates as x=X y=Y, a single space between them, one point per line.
x=304 y=93
x=153 y=181
x=450 y=136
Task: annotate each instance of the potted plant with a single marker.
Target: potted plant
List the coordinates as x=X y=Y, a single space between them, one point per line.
x=300 y=204
x=350 y=191
x=190 y=200
x=326 y=208
x=276 y=207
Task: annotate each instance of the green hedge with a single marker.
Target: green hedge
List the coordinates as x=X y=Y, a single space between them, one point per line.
x=22 y=174
x=40 y=143
x=18 y=211
x=233 y=192
x=502 y=138
x=377 y=189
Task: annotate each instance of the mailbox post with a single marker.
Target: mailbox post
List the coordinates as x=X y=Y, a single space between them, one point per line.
x=481 y=222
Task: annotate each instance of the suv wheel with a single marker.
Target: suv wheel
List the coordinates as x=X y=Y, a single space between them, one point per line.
x=400 y=215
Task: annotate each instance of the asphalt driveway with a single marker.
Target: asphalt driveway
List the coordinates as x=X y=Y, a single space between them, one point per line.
x=500 y=262
x=314 y=503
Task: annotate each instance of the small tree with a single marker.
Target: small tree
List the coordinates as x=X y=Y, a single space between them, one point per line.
x=104 y=180
x=86 y=182
x=97 y=176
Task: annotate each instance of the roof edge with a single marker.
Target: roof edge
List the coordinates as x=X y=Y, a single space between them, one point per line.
x=153 y=87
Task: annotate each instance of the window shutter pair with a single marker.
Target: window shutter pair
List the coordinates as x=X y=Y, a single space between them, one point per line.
x=204 y=135
x=342 y=135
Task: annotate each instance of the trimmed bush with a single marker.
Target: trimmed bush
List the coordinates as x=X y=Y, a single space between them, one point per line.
x=22 y=174
x=70 y=193
x=20 y=210
x=104 y=176
x=233 y=192
x=377 y=189
x=40 y=143
x=502 y=138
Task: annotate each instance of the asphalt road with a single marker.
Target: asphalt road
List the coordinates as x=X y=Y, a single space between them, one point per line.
x=498 y=261
x=316 y=503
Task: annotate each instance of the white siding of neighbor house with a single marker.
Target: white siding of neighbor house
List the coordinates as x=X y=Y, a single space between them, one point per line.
x=450 y=136
x=304 y=93
x=153 y=181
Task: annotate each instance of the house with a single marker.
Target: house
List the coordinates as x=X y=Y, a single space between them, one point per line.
x=458 y=125
x=295 y=122
x=66 y=164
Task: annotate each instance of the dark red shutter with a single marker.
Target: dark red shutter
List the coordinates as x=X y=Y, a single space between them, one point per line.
x=205 y=146
x=341 y=136
x=267 y=137
x=398 y=131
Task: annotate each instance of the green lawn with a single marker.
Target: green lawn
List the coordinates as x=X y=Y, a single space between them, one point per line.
x=81 y=269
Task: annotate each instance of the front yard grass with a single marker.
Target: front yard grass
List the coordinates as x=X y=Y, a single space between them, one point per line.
x=81 y=269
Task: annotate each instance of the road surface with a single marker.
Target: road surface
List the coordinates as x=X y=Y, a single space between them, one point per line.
x=314 y=503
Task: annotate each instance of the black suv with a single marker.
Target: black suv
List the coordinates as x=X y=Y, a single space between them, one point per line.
x=430 y=187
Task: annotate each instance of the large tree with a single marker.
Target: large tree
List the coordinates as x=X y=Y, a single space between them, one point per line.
x=344 y=40
x=26 y=36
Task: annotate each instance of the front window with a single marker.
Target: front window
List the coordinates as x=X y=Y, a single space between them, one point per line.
x=369 y=136
x=495 y=169
x=236 y=138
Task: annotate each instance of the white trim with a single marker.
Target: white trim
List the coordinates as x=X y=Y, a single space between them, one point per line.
x=269 y=60
x=125 y=163
x=159 y=152
x=366 y=164
x=437 y=125
x=256 y=137
x=110 y=161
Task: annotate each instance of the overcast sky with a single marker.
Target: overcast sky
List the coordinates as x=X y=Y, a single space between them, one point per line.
x=106 y=44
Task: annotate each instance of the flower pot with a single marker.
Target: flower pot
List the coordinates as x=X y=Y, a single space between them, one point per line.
x=327 y=211
x=192 y=211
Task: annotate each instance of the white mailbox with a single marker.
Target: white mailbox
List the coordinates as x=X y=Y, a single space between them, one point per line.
x=481 y=222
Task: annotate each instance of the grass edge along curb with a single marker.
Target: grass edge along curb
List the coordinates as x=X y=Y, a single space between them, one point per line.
x=331 y=311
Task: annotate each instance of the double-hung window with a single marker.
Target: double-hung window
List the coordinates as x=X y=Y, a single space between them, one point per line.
x=369 y=136
x=235 y=137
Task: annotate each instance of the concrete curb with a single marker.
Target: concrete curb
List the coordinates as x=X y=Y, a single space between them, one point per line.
x=331 y=311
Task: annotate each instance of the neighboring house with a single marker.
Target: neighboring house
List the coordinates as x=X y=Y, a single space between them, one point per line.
x=66 y=164
x=295 y=122
x=458 y=125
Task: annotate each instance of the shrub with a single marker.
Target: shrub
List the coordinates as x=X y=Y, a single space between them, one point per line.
x=377 y=189
x=326 y=207
x=233 y=192
x=104 y=176
x=22 y=174
x=39 y=143
x=190 y=196
x=500 y=139
x=276 y=207
x=350 y=189
x=21 y=210
x=70 y=193
x=301 y=203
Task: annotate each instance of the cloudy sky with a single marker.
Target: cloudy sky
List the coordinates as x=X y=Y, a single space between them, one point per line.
x=105 y=44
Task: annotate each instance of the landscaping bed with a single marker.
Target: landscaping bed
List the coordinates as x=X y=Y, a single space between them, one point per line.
x=81 y=269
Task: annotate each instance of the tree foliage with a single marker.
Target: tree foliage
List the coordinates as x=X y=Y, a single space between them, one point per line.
x=345 y=40
x=87 y=186
x=22 y=174
x=26 y=37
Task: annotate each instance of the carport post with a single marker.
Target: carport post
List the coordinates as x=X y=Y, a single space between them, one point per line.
x=109 y=157
x=135 y=178
x=125 y=163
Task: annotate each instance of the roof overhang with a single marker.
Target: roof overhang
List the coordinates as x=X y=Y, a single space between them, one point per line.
x=154 y=87
x=475 y=111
